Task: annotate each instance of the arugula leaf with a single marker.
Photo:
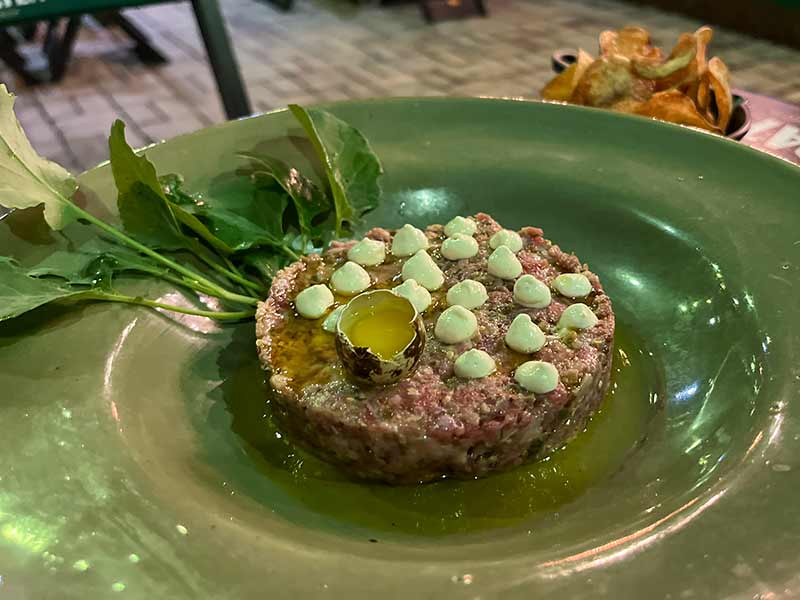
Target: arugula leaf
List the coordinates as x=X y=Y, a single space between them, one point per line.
x=309 y=202
x=144 y=208
x=184 y=205
x=27 y=179
x=265 y=262
x=67 y=265
x=352 y=168
x=192 y=222
x=172 y=185
x=254 y=231
x=147 y=216
x=129 y=168
x=258 y=222
x=94 y=261
x=20 y=293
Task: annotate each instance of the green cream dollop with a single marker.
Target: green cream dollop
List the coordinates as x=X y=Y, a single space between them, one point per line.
x=474 y=364
x=577 y=316
x=414 y=293
x=422 y=268
x=503 y=264
x=408 y=241
x=468 y=293
x=509 y=239
x=459 y=246
x=531 y=293
x=367 y=252
x=350 y=279
x=460 y=225
x=314 y=301
x=524 y=335
x=572 y=285
x=537 y=376
x=455 y=325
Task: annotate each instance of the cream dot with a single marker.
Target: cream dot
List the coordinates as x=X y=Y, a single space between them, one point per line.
x=424 y=271
x=350 y=279
x=456 y=324
x=537 y=376
x=462 y=225
x=503 y=264
x=508 y=238
x=468 y=293
x=524 y=335
x=414 y=293
x=572 y=285
x=314 y=301
x=531 y=293
x=459 y=246
x=577 y=316
x=367 y=252
x=474 y=364
x=408 y=241
x=332 y=320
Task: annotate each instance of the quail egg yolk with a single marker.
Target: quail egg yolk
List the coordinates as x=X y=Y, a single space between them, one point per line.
x=381 y=326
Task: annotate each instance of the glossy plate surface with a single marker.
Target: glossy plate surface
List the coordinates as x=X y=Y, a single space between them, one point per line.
x=128 y=464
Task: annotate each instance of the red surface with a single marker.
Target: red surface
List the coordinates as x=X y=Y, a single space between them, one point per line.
x=775 y=126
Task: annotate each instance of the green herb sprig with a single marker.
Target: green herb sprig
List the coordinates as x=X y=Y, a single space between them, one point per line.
x=228 y=248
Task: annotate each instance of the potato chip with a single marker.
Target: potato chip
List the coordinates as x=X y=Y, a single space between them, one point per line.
x=702 y=94
x=608 y=80
x=629 y=42
x=676 y=107
x=627 y=105
x=560 y=88
x=719 y=81
x=632 y=76
x=684 y=53
x=686 y=79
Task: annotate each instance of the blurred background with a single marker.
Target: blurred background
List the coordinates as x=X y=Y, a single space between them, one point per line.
x=77 y=65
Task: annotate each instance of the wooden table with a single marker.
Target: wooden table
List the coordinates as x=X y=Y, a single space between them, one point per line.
x=209 y=19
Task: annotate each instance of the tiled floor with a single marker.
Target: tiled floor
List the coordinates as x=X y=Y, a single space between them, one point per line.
x=325 y=50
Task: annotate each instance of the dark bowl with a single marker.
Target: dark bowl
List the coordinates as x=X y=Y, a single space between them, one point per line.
x=740 y=121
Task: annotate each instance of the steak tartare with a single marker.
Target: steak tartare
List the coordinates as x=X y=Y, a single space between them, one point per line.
x=526 y=380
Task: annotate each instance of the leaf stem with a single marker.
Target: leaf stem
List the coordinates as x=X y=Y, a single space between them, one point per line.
x=290 y=253
x=181 y=281
x=191 y=275
x=254 y=287
x=211 y=314
x=229 y=264
x=259 y=287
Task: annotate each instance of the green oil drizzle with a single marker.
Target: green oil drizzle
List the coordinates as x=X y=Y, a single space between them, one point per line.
x=450 y=506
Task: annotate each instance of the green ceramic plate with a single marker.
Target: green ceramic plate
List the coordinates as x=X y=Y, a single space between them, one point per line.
x=137 y=456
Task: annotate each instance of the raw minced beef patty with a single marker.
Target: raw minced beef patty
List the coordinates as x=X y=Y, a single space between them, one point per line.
x=433 y=423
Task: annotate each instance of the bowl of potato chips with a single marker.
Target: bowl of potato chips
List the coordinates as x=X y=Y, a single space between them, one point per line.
x=631 y=75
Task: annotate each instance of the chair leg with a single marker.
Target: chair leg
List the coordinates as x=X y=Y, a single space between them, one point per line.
x=61 y=52
x=426 y=10
x=29 y=30
x=143 y=48
x=222 y=59
x=15 y=61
